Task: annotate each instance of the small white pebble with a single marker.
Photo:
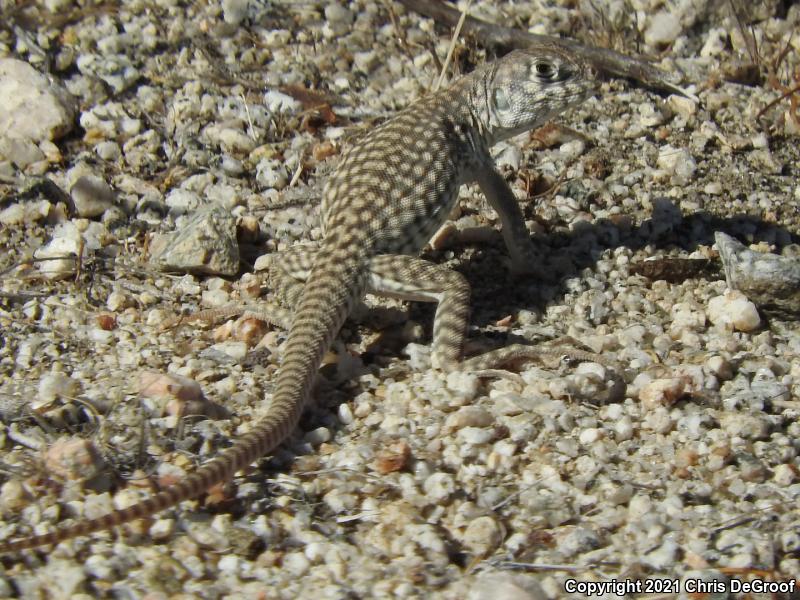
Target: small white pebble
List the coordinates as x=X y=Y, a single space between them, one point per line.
x=719 y=367
x=734 y=311
x=590 y=436
x=181 y=200
x=235 y=141
x=54 y=385
x=760 y=140
x=594 y=370
x=118 y=301
x=13 y=496
x=685 y=107
x=215 y=298
x=639 y=506
x=236 y=350
x=318 y=436
x=658 y=420
x=463 y=384
x=476 y=435
x=108 y=150
x=713 y=188
x=678 y=162
x=229 y=563
x=663 y=557
x=147 y=298
x=91 y=195
x=346 y=414
x=99 y=567
x=278 y=102
x=234 y=11
x=162 y=529
x=663 y=28
x=336 y=13
x=100 y=336
x=296 y=563
x=623 y=429
x=169 y=385
x=315 y=552
x=73 y=459
x=784 y=475
x=207 y=536
x=469 y=416
x=661 y=392
x=483 y=535
x=438 y=487
x=270 y=174
x=504 y=448
x=419 y=356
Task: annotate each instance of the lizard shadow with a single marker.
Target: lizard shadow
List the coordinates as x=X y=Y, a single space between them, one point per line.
x=567 y=255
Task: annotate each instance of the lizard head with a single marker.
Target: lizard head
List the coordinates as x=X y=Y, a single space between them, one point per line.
x=528 y=87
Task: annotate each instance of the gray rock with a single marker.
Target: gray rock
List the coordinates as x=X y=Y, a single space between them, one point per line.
x=92 y=196
x=234 y=11
x=663 y=29
x=483 y=535
x=182 y=201
x=20 y=151
x=108 y=150
x=770 y=281
x=206 y=244
x=31 y=105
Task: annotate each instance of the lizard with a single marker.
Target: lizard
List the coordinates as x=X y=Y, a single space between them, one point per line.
x=393 y=188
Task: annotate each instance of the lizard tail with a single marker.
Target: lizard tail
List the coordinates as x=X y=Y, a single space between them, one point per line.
x=335 y=283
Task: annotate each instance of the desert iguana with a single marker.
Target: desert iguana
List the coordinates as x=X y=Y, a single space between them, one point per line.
x=393 y=189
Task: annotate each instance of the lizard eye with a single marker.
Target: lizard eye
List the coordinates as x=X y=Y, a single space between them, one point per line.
x=500 y=99
x=544 y=70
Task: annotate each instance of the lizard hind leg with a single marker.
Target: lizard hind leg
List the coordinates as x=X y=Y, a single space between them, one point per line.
x=411 y=278
x=288 y=271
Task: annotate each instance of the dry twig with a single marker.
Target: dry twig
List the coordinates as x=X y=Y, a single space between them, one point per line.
x=604 y=60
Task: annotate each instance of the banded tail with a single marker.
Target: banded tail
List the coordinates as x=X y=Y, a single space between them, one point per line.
x=336 y=281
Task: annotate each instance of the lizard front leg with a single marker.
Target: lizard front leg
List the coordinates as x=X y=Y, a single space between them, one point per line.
x=525 y=260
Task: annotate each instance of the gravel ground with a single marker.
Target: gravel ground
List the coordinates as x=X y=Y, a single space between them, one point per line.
x=170 y=127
